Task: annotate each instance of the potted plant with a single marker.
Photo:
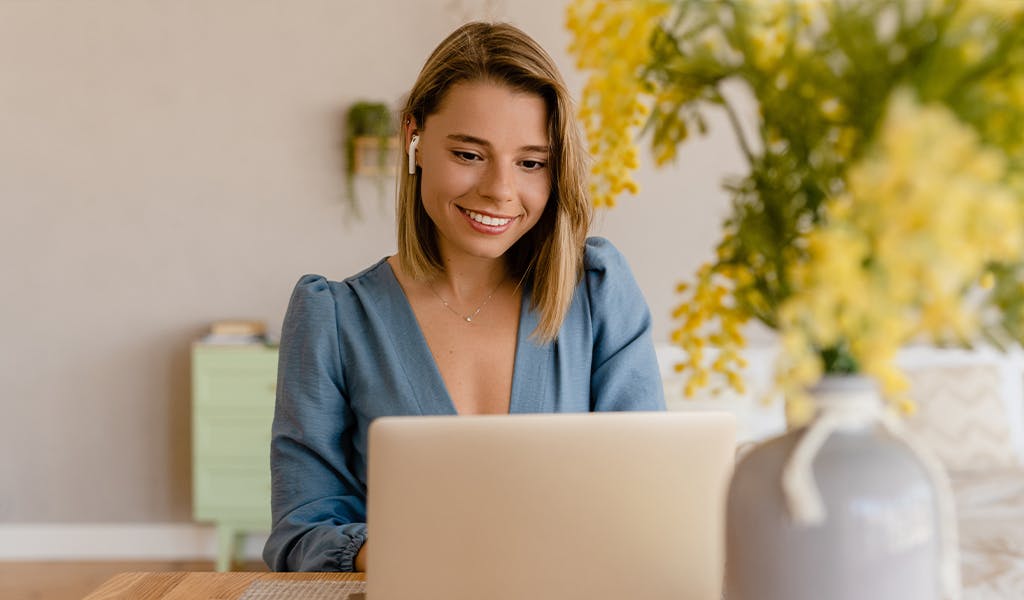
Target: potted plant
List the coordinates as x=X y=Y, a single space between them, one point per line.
x=884 y=203
x=370 y=146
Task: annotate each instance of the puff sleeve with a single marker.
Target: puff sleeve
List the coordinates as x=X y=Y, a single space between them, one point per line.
x=317 y=503
x=624 y=369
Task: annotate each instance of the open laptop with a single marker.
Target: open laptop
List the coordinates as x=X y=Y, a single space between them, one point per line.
x=584 y=506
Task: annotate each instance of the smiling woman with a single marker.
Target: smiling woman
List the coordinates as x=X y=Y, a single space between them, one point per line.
x=496 y=301
x=484 y=182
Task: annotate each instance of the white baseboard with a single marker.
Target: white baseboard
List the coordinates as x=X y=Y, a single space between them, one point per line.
x=115 y=541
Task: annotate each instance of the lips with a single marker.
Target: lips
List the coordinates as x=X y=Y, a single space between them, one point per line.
x=487 y=223
x=486 y=219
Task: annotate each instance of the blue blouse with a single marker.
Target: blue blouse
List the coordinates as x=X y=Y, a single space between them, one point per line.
x=352 y=351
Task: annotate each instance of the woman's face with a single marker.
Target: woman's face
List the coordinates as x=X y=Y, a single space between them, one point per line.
x=485 y=178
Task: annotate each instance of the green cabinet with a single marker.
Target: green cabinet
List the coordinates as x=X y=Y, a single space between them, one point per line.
x=233 y=390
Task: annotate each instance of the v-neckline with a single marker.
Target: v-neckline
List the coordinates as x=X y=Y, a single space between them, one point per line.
x=528 y=369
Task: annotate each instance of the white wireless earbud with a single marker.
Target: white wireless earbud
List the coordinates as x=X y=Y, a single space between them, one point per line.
x=412 y=153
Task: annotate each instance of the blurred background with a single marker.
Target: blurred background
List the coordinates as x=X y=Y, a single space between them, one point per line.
x=165 y=165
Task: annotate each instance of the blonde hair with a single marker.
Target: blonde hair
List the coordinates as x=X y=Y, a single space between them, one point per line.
x=548 y=258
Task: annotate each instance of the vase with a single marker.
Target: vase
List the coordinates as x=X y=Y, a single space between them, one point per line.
x=848 y=507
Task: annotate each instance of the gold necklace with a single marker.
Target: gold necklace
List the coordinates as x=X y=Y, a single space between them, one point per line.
x=467 y=318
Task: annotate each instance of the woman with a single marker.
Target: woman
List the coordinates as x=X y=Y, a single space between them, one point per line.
x=495 y=302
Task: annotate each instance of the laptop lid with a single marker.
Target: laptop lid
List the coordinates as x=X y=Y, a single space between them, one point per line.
x=563 y=506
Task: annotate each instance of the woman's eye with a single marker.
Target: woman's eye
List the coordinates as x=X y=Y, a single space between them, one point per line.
x=469 y=156
x=532 y=165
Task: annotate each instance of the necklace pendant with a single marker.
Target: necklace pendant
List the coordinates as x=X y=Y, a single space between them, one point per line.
x=466 y=318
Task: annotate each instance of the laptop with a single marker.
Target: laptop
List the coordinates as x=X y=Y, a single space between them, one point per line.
x=558 y=506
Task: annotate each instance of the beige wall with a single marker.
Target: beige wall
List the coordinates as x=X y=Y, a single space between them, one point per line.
x=167 y=163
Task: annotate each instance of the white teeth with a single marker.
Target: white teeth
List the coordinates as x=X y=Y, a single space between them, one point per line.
x=486 y=220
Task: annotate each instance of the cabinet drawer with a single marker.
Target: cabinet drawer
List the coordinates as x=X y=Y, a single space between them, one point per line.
x=239 y=388
x=225 y=435
x=262 y=358
x=243 y=377
x=224 y=492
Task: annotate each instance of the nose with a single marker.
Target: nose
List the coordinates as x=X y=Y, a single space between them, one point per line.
x=497 y=183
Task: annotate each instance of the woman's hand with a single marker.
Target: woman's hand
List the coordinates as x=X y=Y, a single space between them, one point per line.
x=361 y=559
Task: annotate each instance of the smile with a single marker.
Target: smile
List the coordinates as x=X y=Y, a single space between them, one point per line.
x=486 y=219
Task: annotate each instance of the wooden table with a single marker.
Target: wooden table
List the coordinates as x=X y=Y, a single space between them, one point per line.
x=198 y=586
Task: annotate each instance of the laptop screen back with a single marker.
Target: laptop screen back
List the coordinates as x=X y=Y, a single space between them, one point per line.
x=604 y=505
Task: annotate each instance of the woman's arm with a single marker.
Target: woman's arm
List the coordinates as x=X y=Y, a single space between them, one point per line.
x=624 y=370
x=361 y=558
x=318 y=504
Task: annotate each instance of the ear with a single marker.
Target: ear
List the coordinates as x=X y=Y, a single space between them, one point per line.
x=410 y=127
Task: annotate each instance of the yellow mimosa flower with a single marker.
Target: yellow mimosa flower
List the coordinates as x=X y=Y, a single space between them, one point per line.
x=869 y=217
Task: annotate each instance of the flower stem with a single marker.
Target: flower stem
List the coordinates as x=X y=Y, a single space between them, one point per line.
x=736 y=127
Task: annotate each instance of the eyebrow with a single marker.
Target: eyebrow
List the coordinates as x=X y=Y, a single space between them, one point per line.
x=469 y=139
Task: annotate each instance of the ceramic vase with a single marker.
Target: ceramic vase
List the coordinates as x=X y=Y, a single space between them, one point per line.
x=845 y=508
